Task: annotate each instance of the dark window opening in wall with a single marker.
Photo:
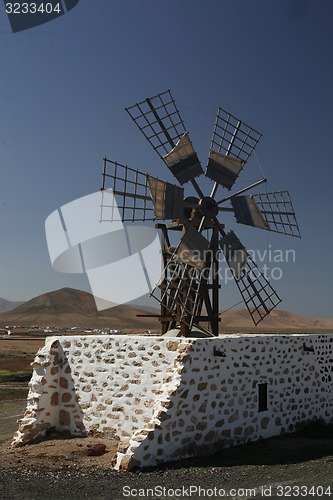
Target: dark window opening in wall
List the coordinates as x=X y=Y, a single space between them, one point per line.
x=262 y=397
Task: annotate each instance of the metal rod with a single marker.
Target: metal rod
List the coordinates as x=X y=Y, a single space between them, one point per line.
x=257 y=294
x=213 y=192
x=104 y=173
x=201 y=225
x=132 y=195
x=161 y=124
x=272 y=212
x=197 y=188
x=242 y=190
x=231 y=143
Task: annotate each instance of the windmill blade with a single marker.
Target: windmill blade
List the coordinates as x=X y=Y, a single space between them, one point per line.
x=167 y=199
x=223 y=169
x=258 y=295
x=192 y=249
x=182 y=276
x=159 y=120
x=232 y=144
x=179 y=290
x=125 y=194
x=247 y=212
x=183 y=161
x=272 y=211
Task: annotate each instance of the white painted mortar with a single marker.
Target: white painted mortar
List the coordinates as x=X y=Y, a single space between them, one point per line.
x=169 y=398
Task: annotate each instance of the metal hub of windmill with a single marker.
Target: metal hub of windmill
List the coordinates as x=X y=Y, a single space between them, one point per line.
x=188 y=291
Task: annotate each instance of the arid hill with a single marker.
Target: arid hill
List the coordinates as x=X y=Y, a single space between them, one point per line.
x=68 y=307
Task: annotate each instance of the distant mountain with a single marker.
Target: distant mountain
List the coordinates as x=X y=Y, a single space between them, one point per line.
x=8 y=305
x=147 y=309
x=69 y=307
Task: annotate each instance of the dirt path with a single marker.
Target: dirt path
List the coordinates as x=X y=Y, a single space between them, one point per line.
x=62 y=468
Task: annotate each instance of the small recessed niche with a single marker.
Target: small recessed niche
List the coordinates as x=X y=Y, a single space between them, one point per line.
x=262 y=397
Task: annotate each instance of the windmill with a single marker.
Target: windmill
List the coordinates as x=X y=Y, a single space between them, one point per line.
x=188 y=290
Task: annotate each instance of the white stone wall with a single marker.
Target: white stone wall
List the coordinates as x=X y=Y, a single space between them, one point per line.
x=165 y=398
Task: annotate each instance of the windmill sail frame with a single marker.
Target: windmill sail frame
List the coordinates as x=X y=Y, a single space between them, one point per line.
x=189 y=287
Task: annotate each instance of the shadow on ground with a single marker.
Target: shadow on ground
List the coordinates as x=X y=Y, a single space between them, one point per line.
x=313 y=442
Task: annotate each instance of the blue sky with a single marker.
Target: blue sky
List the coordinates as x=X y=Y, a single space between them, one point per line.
x=65 y=84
